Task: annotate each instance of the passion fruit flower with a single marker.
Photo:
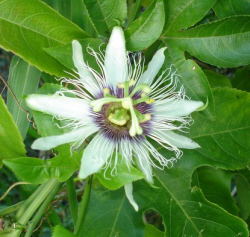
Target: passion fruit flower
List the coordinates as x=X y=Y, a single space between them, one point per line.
x=122 y=106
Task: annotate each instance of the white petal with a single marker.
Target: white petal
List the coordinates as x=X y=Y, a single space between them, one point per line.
x=153 y=67
x=146 y=168
x=80 y=64
x=61 y=106
x=143 y=161
x=116 y=67
x=47 y=143
x=177 y=108
x=129 y=193
x=175 y=139
x=96 y=155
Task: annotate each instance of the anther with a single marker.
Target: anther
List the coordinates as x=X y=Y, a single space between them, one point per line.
x=120 y=85
x=106 y=91
x=126 y=103
x=97 y=104
x=146 y=117
x=143 y=87
x=150 y=101
x=131 y=82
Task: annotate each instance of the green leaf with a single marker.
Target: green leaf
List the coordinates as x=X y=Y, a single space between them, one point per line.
x=64 y=53
x=227 y=8
x=147 y=28
x=216 y=79
x=224 y=143
x=110 y=214
x=60 y=231
x=49 y=78
x=37 y=171
x=133 y=11
x=29 y=26
x=241 y=79
x=81 y=17
x=151 y=231
x=182 y=14
x=11 y=145
x=106 y=14
x=114 y=179
x=146 y=3
x=243 y=192
x=191 y=77
x=216 y=187
x=23 y=80
x=74 y=11
x=61 y=6
x=185 y=211
x=217 y=43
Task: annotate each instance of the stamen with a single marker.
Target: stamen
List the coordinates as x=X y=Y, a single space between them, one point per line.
x=126 y=85
x=143 y=87
x=142 y=117
x=135 y=126
x=97 y=104
x=145 y=99
x=106 y=91
x=131 y=82
x=151 y=101
x=126 y=103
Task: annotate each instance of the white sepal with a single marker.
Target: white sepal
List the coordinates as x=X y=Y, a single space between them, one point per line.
x=79 y=63
x=61 y=106
x=116 y=65
x=176 y=107
x=143 y=161
x=175 y=139
x=153 y=67
x=47 y=143
x=146 y=168
x=97 y=153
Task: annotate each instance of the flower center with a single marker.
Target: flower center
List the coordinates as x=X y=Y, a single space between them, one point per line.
x=122 y=111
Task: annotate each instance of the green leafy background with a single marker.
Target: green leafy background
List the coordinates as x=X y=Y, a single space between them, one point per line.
x=208 y=44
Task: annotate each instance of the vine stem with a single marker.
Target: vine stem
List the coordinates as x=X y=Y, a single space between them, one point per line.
x=7 y=210
x=72 y=199
x=83 y=205
x=16 y=207
x=42 y=209
x=10 y=188
x=33 y=203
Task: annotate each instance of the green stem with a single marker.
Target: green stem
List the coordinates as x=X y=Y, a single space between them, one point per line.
x=42 y=209
x=27 y=202
x=32 y=204
x=17 y=206
x=83 y=205
x=72 y=199
x=10 y=209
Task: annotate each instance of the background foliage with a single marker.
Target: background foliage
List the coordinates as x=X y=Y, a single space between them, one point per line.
x=207 y=192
